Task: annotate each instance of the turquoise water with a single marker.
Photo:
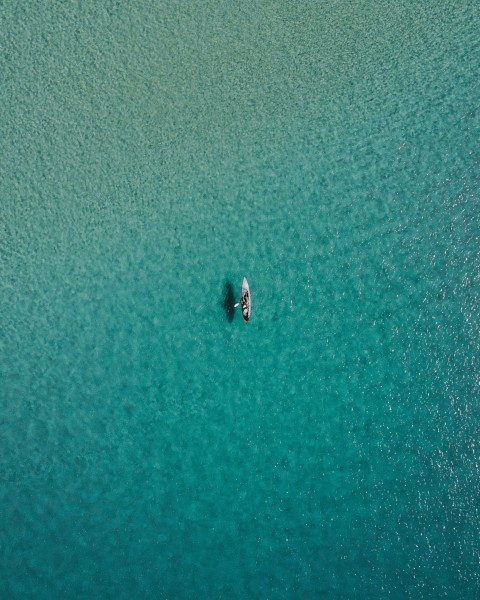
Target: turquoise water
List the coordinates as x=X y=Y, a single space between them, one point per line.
x=151 y=444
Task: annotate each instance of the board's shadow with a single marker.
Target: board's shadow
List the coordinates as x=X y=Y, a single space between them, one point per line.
x=229 y=301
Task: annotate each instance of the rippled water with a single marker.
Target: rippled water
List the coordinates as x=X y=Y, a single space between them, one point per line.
x=151 y=444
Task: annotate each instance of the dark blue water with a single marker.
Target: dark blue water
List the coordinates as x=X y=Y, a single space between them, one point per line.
x=152 y=445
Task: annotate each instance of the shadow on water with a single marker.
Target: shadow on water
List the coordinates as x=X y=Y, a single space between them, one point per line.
x=229 y=301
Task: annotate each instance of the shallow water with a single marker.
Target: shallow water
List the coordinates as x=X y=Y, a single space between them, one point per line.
x=152 y=445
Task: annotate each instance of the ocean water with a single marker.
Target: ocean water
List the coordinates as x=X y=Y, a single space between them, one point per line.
x=152 y=445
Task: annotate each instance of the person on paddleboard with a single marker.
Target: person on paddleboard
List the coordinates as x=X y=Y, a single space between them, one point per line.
x=245 y=301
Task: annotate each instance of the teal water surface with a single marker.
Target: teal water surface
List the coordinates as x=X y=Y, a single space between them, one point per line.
x=151 y=156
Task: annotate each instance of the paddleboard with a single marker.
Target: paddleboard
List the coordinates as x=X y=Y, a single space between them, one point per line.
x=246 y=300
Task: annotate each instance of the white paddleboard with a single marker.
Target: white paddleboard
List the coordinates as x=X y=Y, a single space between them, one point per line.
x=246 y=300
